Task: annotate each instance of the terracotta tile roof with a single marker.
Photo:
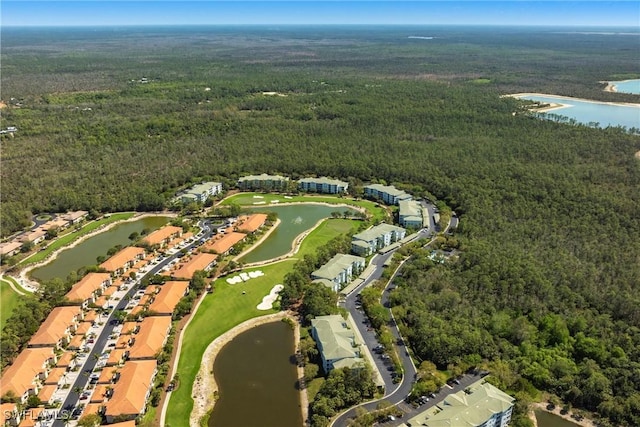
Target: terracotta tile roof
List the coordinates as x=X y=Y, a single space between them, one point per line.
x=169 y=296
x=83 y=328
x=6 y=411
x=32 y=236
x=19 y=377
x=6 y=248
x=101 y=301
x=99 y=393
x=123 y=341
x=74 y=216
x=55 y=326
x=83 y=289
x=152 y=289
x=31 y=418
x=65 y=360
x=163 y=234
x=91 y=408
x=222 y=244
x=130 y=392
x=121 y=258
x=115 y=357
x=46 y=392
x=128 y=328
x=251 y=223
x=76 y=342
x=131 y=423
x=144 y=300
x=90 y=316
x=137 y=310
x=106 y=375
x=110 y=291
x=55 y=375
x=200 y=261
x=152 y=336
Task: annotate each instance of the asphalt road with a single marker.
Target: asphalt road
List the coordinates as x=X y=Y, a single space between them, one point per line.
x=72 y=400
x=394 y=393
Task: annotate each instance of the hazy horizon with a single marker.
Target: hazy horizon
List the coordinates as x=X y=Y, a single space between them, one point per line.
x=550 y=13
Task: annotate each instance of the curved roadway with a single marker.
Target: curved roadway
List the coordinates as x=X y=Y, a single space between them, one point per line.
x=395 y=393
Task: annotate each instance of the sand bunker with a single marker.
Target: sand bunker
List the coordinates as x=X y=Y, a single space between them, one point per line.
x=267 y=302
x=243 y=277
x=637 y=155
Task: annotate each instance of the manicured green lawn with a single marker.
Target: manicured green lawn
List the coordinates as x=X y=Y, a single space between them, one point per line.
x=227 y=306
x=68 y=238
x=9 y=299
x=248 y=199
x=220 y=311
x=326 y=231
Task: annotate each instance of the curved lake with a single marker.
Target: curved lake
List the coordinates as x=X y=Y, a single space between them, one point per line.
x=627 y=86
x=295 y=220
x=86 y=252
x=591 y=112
x=257 y=380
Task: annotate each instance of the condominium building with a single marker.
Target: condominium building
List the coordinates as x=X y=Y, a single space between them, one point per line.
x=376 y=238
x=479 y=405
x=87 y=289
x=263 y=182
x=323 y=185
x=411 y=214
x=200 y=192
x=338 y=271
x=387 y=193
x=336 y=342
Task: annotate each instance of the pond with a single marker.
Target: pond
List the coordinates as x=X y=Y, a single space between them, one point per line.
x=590 y=113
x=257 y=380
x=547 y=419
x=295 y=220
x=86 y=252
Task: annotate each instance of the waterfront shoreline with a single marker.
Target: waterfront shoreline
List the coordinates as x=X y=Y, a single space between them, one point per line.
x=205 y=386
x=585 y=422
x=621 y=104
x=27 y=282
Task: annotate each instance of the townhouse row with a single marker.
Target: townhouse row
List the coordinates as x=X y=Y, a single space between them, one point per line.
x=39 y=233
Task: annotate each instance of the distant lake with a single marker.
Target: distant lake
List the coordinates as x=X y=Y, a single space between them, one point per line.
x=627 y=86
x=590 y=112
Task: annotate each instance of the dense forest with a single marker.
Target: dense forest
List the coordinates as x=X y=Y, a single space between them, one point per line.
x=547 y=286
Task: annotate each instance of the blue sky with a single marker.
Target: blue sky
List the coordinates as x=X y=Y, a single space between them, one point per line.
x=210 y=12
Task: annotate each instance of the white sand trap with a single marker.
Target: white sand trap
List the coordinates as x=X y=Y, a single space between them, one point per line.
x=234 y=280
x=275 y=201
x=254 y=274
x=288 y=197
x=258 y=197
x=259 y=203
x=244 y=277
x=267 y=302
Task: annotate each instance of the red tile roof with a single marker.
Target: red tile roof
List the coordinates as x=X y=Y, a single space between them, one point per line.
x=55 y=326
x=130 y=392
x=251 y=223
x=121 y=258
x=161 y=235
x=152 y=336
x=19 y=377
x=200 y=261
x=169 y=297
